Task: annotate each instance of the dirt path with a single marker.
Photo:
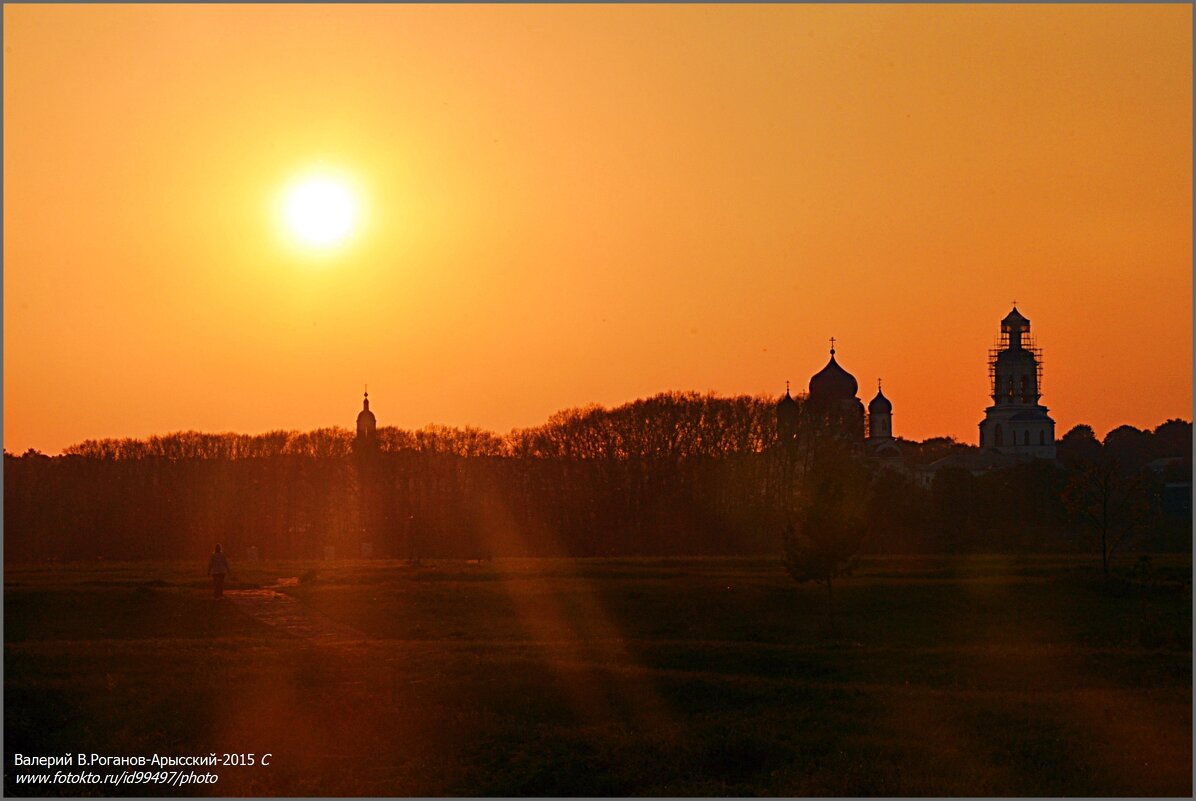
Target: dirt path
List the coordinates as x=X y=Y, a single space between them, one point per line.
x=281 y=611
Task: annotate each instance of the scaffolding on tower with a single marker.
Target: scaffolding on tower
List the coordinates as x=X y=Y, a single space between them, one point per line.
x=1001 y=345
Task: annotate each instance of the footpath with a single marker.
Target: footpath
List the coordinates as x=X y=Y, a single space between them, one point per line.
x=281 y=611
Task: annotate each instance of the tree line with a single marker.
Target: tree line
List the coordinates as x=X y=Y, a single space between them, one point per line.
x=677 y=473
x=669 y=425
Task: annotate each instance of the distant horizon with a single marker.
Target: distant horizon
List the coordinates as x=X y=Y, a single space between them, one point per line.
x=348 y=426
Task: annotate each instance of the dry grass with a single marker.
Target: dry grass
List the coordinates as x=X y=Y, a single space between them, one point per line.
x=944 y=676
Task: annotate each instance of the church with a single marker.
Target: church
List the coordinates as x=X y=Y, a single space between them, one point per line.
x=832 y=407
x=1015 y=427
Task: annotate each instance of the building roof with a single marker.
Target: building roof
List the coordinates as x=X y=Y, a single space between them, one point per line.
x=1015 y=316
x=977 y=460
x=886 y=449
x=365 y=413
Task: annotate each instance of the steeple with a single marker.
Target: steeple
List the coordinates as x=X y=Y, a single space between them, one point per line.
x=366 y=424
x=1012 y=328
x=787 y=419
x=880 y=416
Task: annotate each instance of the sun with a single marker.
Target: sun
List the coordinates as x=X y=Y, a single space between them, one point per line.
x=319 y=211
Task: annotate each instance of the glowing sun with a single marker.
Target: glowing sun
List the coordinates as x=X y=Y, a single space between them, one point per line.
x=320 y=211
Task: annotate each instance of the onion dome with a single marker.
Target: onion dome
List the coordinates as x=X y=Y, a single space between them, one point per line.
x=880 y=404
x=833 y=382
x=787 y=418
x=787 y=405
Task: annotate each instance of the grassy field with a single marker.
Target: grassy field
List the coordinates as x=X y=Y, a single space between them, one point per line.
x=941 y=676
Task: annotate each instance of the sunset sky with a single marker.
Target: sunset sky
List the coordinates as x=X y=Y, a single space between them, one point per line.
x=564 y=205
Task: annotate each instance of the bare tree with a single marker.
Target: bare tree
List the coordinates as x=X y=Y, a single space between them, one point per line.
x=1108 y=504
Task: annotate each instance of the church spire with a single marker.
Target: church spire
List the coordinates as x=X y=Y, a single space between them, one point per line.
x=367 y=425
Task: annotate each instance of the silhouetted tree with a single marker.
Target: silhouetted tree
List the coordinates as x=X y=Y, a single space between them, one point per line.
x=822 y=540
x=1129 y=448
x=1020 y=508
x=674 y=473
x=932 y=449
x=1077 y=446
x=897 y=513
x=955 y=506
x=1108 y=504
x=1173 y=439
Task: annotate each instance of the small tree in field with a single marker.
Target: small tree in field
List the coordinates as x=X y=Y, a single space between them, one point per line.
x=823 y=538
x=1108 y=505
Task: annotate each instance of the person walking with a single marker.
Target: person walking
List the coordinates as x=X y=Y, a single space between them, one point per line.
x=218 y=569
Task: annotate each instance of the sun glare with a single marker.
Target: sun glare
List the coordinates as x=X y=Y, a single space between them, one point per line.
x=319 y=211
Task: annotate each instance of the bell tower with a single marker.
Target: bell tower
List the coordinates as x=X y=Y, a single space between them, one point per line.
x=1017 y=423
x=367 y=427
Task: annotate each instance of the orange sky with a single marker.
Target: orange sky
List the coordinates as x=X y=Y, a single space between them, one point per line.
x=578 y=204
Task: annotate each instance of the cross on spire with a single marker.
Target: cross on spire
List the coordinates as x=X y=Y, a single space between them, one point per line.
x=1015 y=301
x=786 y=386
x=832 y=346
x=878 y=385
